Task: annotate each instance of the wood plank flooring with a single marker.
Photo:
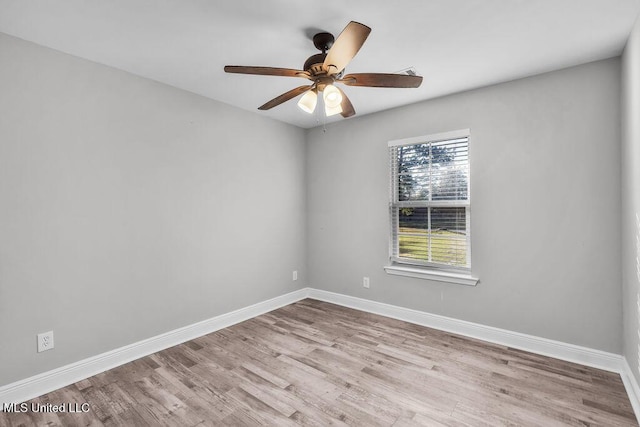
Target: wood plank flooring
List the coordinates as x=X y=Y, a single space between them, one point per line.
x=318 y=364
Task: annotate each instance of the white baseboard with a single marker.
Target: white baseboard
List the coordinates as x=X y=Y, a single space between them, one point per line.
x=631 y=385
x=46 y=382
x=546 y=347
x=38 y=385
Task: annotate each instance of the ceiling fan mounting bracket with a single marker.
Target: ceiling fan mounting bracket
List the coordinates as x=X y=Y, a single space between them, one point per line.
x=323 y=41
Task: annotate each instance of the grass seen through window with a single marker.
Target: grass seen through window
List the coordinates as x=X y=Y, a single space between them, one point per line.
x=447 y=247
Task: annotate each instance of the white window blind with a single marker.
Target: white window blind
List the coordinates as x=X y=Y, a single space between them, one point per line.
x=430 y=204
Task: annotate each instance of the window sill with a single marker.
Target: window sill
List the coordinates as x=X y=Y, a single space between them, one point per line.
x=440 y=276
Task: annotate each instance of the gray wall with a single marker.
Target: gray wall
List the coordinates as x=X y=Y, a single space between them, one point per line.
x=129 y=208
x=631 y=198
x=545 y=189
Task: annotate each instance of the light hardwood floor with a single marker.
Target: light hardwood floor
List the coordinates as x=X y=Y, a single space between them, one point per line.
x=315 y=363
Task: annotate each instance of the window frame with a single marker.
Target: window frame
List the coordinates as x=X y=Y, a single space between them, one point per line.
x=420 y=268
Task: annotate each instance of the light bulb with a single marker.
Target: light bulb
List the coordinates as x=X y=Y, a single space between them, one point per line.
x=308 y=101
x=332 y=96
x=332 y=111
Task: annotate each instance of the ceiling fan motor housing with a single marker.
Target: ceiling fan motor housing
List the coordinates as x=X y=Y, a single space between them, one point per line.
x=314 y=63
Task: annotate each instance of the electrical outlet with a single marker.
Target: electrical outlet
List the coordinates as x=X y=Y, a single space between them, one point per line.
x=295 y=275
x=45 y=341
x=365 y=282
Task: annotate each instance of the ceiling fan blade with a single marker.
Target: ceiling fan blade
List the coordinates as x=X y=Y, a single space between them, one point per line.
x=381 y=80
x=284 y=97
x=266 y=71
x=347 y=107
x=345 y=47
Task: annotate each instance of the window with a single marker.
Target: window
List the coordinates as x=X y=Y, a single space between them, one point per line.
x=430 y=205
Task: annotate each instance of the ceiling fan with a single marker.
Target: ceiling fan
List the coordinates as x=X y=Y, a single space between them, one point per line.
x=326 y=68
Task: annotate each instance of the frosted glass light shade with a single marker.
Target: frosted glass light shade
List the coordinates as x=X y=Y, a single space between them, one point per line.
x=308 y=101
x=332 y=96
x=332 y=111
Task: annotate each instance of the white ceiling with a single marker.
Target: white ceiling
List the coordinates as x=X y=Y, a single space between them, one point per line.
x=455 y=44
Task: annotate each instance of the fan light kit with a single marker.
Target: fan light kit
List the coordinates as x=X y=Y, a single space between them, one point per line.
x=326 y=68
x=308 y=101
